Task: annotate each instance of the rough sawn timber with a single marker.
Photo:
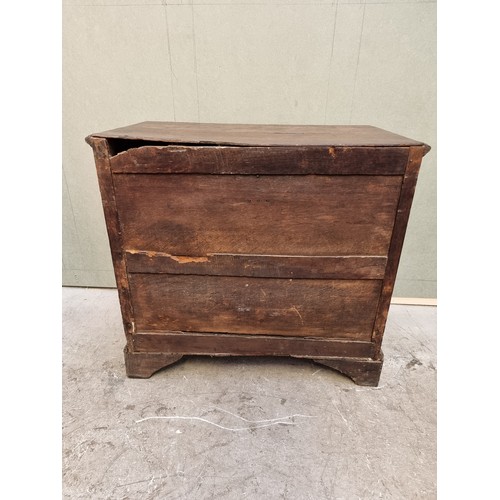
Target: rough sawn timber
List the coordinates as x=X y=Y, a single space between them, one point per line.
x=256 y=240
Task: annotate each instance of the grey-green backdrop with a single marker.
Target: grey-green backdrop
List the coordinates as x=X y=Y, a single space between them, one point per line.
x=278 y=61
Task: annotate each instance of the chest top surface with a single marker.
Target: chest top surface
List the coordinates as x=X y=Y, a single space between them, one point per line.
x=260 y=135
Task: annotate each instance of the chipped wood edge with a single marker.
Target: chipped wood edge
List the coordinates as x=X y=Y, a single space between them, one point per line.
x=257 y=160
x=362 y=371
x=398 y=235
x=102 y=153
x=145 y=364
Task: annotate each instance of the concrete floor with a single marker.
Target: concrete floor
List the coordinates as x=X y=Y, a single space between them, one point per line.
x=344 y=442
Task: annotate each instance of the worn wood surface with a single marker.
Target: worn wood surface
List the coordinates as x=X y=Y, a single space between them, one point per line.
x=144 y=364
x=195 y=215
x=361 y=371
x=260 y=160
x=224 y=245
x=259 y=266
x=398 y=234
x=212 y=343
x=303 y=307
x=105 y=178
x=260 y=135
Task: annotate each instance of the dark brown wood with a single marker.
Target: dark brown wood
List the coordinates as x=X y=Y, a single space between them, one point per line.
x=247 y=345
x=259 y=266
x=398 y=234
x=256 y=240
x=144 y=364
x=101 y=156
x=362 y=371
x=332 y=160
x=195 y=215
x=259 y=135
x=260 y=306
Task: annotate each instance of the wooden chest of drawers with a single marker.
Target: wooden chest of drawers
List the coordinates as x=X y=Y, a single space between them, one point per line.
x=255 y=239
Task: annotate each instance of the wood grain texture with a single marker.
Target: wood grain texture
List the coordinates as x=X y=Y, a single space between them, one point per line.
x=259 y=306
x=361 y=371
x=261 y=160
x=260 y=135
x=217 y=344
x=105 y=178
x=256 y=240
x=196 y=215
x=398 y=234
x=259 y=266
x=144 y=364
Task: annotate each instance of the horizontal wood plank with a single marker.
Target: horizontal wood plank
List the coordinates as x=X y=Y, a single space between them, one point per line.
x=343 y=309
x=261 y=160
x=197 y=215
x=259 y=135
x=216 y=344
x=259 y=266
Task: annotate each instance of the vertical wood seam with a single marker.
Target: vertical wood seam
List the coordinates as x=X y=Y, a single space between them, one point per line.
x=123 y=259
x=377 y=348
x=408 y=185
x=105 y=178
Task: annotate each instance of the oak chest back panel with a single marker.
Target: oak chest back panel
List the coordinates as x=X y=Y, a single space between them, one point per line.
x=256 y=239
